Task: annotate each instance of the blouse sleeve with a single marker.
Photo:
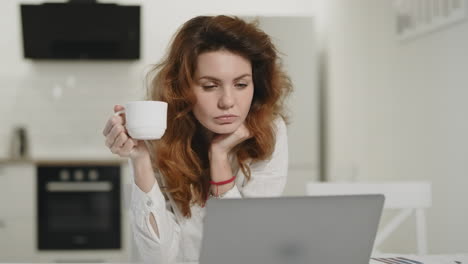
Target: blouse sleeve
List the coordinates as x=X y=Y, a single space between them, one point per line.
x=154 y=249
x=268 y=177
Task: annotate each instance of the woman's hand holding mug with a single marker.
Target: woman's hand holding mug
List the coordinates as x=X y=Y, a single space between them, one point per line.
x=139 y=120
x=117 y=138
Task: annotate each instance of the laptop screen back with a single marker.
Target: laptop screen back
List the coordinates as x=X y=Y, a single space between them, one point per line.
x=312 y=229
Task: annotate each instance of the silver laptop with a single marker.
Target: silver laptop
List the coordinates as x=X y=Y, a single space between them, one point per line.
x=291 y=230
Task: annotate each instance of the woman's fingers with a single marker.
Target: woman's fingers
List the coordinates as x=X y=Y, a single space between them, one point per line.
x=226 y=142
x=112 y=136
x=107 y=127
x=243 y=133
x=118 y=108
x=127 y=147
x=113 y=121
x=119 y=141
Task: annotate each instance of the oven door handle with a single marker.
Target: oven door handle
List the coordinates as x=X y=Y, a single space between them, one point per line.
x=79 y=186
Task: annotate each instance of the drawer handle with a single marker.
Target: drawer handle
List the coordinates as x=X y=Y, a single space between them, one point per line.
x=79 y=186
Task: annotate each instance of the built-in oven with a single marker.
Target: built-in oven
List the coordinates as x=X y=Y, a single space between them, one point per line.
x=79 y=207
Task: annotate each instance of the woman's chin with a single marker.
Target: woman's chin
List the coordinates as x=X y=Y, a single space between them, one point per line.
x=224 y=128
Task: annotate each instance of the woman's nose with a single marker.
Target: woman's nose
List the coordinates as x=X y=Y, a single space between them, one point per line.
x=226 y=101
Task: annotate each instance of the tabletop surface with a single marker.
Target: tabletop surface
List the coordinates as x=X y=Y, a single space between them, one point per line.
x=419 y=259
x=461 y=258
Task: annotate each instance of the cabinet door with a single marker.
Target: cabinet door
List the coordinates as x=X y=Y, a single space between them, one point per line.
x=17 y=190
x=3 y=192
x=17 y=212
x=3 y=238
x=17 y=240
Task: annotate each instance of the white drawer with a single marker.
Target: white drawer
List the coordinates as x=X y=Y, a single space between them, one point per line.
x=17 y=240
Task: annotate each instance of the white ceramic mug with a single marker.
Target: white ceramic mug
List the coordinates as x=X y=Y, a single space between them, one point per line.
x=145 y=120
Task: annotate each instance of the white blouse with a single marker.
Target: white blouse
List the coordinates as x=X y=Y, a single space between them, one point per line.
x=180 y=237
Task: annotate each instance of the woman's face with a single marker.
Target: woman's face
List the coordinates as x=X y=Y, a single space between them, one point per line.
x=223 y=89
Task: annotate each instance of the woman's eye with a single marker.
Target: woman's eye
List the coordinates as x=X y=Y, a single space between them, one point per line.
x=208 y=87
x=241 y=85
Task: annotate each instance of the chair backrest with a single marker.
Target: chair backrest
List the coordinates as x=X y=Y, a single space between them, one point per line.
x=397 y=194
x=408 y=196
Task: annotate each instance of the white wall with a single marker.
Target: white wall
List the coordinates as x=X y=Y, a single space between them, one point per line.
x=397 y=111
x=299 y=57
x=71 y=126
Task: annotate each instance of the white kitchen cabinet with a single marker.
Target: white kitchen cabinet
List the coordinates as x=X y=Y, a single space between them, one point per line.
x=18 y=193
x=17 y=212
x=17 y=240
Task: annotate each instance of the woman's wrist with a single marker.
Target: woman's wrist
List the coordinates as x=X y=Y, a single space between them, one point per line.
x=139 y=152
x=220 y=190
x=220 y=167
x=140 y=163
x=143 y=172
x=222 y=179
x=217 y=154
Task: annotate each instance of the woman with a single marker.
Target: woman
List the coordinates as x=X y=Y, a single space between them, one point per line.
x=225 y=136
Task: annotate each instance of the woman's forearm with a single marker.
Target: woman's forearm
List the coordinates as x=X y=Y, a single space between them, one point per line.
x=143 y=173
x=144 y=179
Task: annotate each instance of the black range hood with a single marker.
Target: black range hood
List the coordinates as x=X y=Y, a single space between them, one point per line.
x=81 y=29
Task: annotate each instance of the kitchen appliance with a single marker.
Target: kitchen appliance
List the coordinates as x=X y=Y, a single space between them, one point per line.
x=81 y=30
x=79 y=207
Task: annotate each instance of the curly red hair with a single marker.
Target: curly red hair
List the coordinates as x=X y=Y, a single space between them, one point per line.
x=181 y=155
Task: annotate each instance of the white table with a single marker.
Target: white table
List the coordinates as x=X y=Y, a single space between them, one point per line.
x=425 y=259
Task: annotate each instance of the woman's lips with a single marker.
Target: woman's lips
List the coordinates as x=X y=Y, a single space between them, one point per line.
x=226 y=119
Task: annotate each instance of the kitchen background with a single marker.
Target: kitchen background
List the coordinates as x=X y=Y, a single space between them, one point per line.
x=367 y=106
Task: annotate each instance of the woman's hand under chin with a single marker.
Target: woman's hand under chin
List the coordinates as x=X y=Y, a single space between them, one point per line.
x=222 y=144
